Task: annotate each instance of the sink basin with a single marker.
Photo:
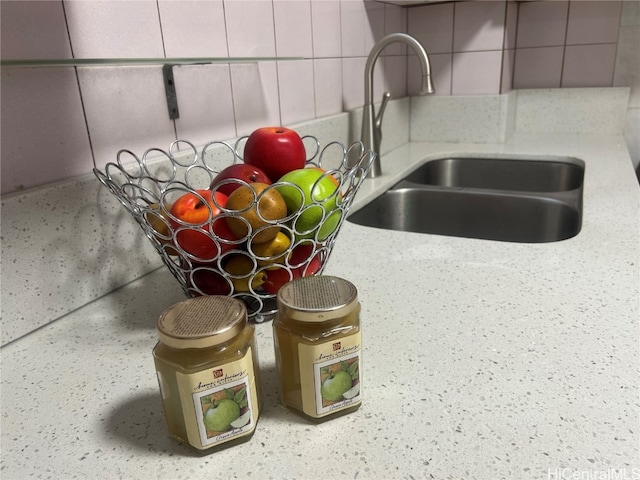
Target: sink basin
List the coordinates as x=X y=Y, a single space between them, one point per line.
x=500 y=174
x=507 y=200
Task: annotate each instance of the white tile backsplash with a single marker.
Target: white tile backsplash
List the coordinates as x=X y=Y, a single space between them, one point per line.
x=293 y=28
x=205 y=103
x=327 y=35
x=250 y=28
x=46 y=139
x=123 y=29
x=328 y=86
x=296 y=88
x=125 y=108
x=478 y=26
x=477 y=73
x=596 y=21
x=255 y=96
x=432 y=26
x=193 y=28
x=33 y=30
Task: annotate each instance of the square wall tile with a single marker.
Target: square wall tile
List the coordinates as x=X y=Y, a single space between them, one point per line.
x=538 y=67
x=327 y=74
x=126 y=108
x=103 y=28
x=43 y=132
x=193 y=28
x=374 y=24
x=205 y=103
x=476 y=73
x=395 y=21
x=478 y=26
x=441 y=66
x=589 y=65
x=325 y=22
x=353 y=82
x=542 y=24
x=295 y=85
x=394 y=70
x=593 y=22
x=255 y=96
x=33 y=30
x=432 y=26
x=354 y=26
x=250 y=28
x=511 y=25
x=293 y=28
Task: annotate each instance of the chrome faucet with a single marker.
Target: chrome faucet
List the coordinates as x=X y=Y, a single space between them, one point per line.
x=372 y=124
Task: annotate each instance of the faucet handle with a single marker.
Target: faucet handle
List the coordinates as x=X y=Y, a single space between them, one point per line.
x=385 y=99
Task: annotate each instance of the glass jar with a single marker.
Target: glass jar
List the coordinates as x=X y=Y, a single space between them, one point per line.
x=207 y=367
x=318 y=346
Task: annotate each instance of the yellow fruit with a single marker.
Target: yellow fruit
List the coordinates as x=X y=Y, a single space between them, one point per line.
x=158 y=220
x=272 y=251
x=267 y=211
x=240 y=268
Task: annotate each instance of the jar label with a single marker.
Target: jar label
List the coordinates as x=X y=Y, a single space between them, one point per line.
x=330 y=375
x=219 y=404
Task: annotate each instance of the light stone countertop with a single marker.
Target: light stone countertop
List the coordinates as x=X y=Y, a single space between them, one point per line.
x=481 y=359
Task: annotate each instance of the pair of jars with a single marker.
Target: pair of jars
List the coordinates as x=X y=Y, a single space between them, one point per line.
x=207 y=363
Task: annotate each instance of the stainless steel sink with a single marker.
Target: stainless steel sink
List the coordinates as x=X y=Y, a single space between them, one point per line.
x=508 y=200
x=500 y=174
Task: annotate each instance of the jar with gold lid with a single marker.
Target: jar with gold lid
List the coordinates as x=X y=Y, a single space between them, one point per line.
x=207 y=367
x=318 y=346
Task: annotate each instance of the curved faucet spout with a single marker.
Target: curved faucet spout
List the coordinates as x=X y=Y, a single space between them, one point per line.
x=371 y=126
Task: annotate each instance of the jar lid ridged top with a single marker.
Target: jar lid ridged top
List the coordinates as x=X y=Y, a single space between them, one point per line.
x=317 y=298
x=202 y=322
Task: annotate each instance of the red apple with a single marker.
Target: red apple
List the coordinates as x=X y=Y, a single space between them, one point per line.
x=304 y=263
x=275 y=150
x=190 y=209
x=209 y=282
x=242 y=171
x=276 y=277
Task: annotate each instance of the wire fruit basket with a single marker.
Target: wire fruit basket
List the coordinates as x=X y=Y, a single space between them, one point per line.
x=242 y=266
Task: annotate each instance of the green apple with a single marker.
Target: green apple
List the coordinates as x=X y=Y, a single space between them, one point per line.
x=219 y=417
x=335 y=386
x=317 y=201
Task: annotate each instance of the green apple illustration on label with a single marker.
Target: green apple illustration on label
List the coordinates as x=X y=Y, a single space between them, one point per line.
x=334 y=387
x=218 y=417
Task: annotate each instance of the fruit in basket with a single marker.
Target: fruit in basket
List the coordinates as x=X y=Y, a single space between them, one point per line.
x=303 y=261
x=273 y=251
x=193 y=218
x=159 y=222
x=257 y=205
x=275 y=150
x=238 y=171
x=241 y=267
x=316 y=203
x=208 y=281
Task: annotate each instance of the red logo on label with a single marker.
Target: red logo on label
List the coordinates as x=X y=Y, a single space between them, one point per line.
x=217 y=373
x=336 y=346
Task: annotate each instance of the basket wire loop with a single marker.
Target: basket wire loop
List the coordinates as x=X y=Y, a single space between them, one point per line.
x=148 y=186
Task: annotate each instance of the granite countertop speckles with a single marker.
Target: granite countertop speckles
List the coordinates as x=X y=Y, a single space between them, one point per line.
x=481 y=359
